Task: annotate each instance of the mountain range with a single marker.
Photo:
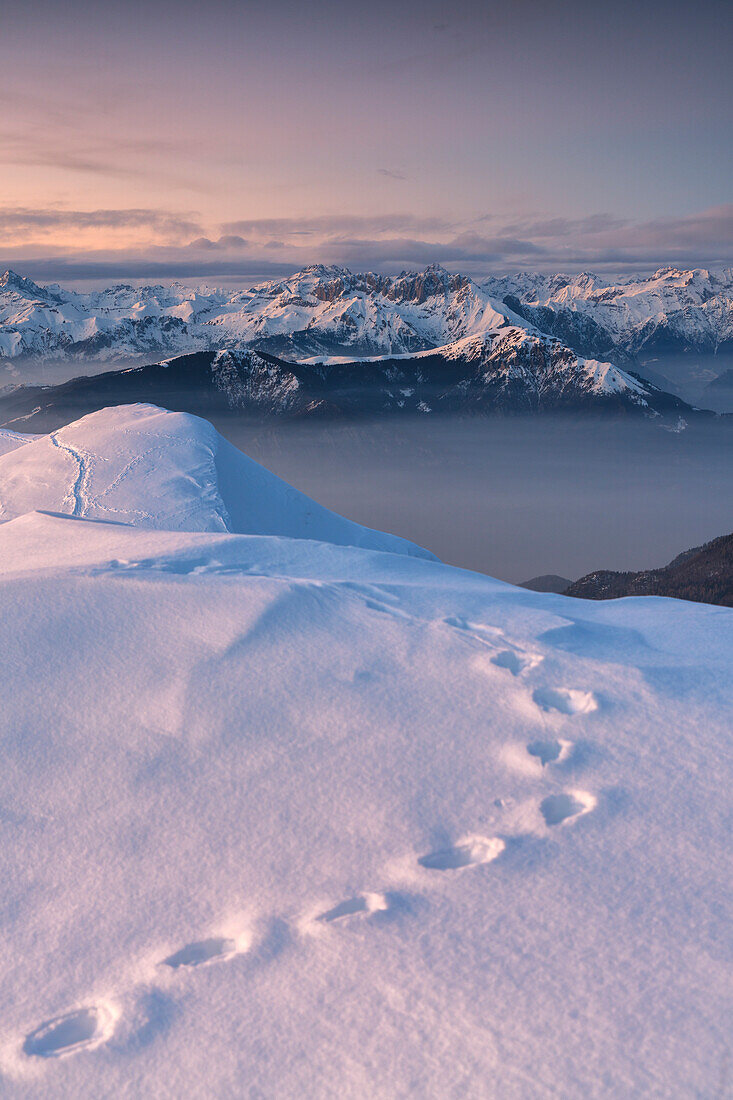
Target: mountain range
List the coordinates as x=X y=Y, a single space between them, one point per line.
x=327 y=342
x=326 y=311
x=671 y=311
x=517 y=372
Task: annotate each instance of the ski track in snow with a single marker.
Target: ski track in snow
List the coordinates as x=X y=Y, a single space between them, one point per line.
x=90 y=1026
x=139 y=460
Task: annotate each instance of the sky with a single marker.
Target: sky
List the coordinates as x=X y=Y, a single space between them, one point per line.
x=222 y=138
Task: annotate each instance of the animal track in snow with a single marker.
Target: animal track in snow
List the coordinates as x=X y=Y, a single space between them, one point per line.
x=565 y=700
x=82 y=1029
x=557 y=808
x=361 y=906
x=215 y=949
x=516 y=661
x=550 y=752
x=470 y=852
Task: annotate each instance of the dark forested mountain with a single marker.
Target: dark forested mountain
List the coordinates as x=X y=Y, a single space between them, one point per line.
x=704 y=575
x=513 y=372
x=548 y=582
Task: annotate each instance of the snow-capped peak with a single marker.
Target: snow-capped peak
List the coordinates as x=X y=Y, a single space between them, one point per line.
x=11 y=281
x=329 y=310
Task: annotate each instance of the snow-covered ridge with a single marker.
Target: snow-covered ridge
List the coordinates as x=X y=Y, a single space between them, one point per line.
x=671 y=310
x=300 y=817
x=515 y=345
x=330 y=311
x=327 y=315
x=105 y=465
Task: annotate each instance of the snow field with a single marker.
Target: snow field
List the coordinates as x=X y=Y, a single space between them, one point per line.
x=285 y=815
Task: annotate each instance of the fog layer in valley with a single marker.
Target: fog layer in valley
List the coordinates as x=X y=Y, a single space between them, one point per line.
x=515 y=497
x=49 y=372
x=689 y=376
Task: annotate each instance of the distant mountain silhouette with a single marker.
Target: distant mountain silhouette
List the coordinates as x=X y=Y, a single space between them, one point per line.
x=548 y=582
x=516 y=373
x=703 y=575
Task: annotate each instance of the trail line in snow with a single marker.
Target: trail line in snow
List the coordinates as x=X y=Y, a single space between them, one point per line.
x=78 y=491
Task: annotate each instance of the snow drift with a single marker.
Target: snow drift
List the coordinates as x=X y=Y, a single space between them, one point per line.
x=282 y=816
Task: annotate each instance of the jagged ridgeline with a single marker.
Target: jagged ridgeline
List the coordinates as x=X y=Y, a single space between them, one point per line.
x=324 y=311
x=322 y=343
x=517 y=373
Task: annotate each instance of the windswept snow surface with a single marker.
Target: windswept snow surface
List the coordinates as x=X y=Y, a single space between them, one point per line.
x=145 y=466
x=284 y=818
x=10 y=441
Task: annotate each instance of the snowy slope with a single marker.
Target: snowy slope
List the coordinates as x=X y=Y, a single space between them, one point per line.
x=671 y=310
x=10 y=441
x=193 y=479
x=280 y=817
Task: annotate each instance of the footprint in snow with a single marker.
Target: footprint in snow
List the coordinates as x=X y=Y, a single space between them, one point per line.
x=558 y=808
x=471 y=852
x=565 y=700
x=516 y=661
x=215 y=949
x=361 y=906
x=550 y=752
x=82 y=1029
